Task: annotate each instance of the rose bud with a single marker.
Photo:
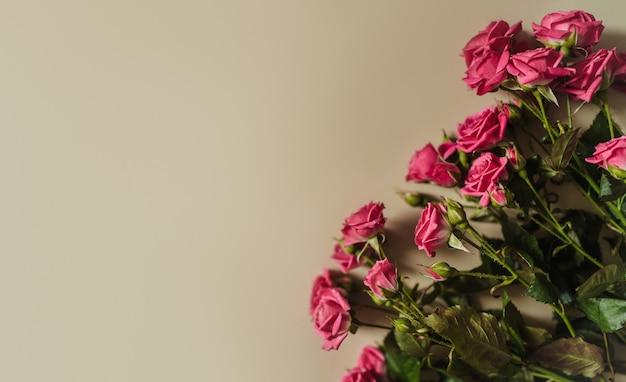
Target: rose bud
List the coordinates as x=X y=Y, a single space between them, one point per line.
x=440 y=271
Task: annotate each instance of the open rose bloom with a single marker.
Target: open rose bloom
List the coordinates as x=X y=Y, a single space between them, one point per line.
x=611 y=156
x=572 y=28
x=507 y=166
x=367 y=222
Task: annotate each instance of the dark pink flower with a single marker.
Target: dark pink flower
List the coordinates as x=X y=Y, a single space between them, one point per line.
x=611 y=156
x=371 y=359
x=381 y=279
x=364 y=224
x=537 y=67
x=432 y=230
x=571 y=28
x=496 y=36
x=321 y=283
x=594 y=73
x=487 y=55
x=487 y=71
x=358 y=375
x=331 y=318
x=483 y=130
x=484 y=177
x=347 y=261
x=427 y=166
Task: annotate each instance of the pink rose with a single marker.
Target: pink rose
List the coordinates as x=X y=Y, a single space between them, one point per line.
x=487 y=71
x=371 y=359
x=487 y=54
x=571 y=28
x=611 y=156
x=483 y=130
x=347 y=261
x=358 y=375
x=432 y=230
x=496 y=36
x=594 y=73
x=427 y=166
x=483 y=179
x=321 y=283
x=619 y=78
x=331 y=318
x=381 y=278
x=537 y=67
x=364 y=224
x=325 y=281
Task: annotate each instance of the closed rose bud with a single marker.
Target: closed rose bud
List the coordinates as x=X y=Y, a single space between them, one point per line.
x=455 y=212
x=402 y=324
x=516 y=160
x=441 y=271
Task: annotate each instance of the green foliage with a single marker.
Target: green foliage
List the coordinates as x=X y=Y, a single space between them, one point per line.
x=520 y=239
x=608 y=313
x=412 y=344
x=400 y=365
x=611 y=188
x=561 y=154
x=572 y=356
x=598 y=132
x=543 y=290
x=477 y=337
x=600 y=281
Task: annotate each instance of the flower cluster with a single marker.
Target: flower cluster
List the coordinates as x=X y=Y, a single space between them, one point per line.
x=508 y=164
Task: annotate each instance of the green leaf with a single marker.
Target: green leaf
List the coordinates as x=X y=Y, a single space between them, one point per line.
x=410 y=344
x=456 y=243
x=598 y=282
x=562 y=151
x=608 y=313
x=572 y=356
x=598 y=132
x=520 y=239
x=611 y=188
x=400 y=365
x=478 y=338
x=542 y=290
x=523 y=194
x=536 y=336
x=547 y=93
x=513 y=321
x=447 y=377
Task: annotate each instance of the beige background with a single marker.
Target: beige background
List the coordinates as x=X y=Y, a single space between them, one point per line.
x=173 y=172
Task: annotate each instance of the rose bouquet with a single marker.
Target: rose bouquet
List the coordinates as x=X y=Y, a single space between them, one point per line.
x=507 y=167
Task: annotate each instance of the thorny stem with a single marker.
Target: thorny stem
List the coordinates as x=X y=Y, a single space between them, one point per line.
x=541 y=372
x=608 y=356
x=607 y=111
x=490 y=251
x=361 y=323
x=547 y=214
x=560 y=311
